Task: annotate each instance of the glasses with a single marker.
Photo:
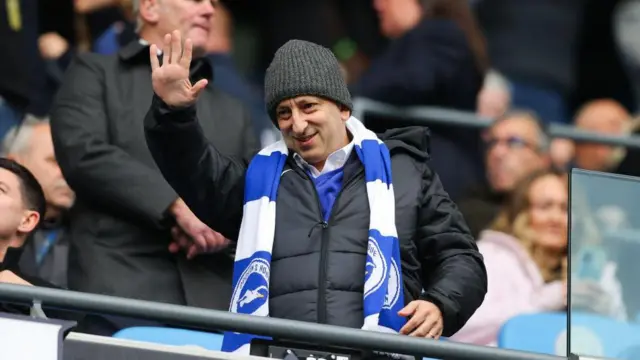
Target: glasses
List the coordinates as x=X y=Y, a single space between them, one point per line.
x=512 y=142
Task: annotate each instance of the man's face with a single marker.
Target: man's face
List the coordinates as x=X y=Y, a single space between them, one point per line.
x=14 y=214
x=397 y=16
x=40 y=159
x=512 y=152
x=191 y=17
x=312 y=127
x=605 y=118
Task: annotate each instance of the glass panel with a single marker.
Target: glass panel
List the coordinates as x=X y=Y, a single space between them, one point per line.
x=604 y=265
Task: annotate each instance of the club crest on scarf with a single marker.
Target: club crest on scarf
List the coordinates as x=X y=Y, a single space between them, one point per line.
x=252 y=291
x=376 y=268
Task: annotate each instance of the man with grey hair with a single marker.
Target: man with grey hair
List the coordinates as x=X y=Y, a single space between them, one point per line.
x=128 y=222
x=45 y=253
x=516 y=146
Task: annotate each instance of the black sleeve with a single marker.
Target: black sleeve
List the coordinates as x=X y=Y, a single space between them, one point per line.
x=97 y=170
x=453 y=273
x=211 y=184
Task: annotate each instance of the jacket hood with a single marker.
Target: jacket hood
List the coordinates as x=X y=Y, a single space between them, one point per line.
x=413 y=140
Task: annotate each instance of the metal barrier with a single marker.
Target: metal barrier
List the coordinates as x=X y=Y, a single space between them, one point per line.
x=278 y=328
x=427 y=115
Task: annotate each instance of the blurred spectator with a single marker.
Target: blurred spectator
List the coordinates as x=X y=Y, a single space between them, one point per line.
x=607 y=117
x=128 y=221
x=45 y=254
x=56 y=53
x=436 y=57
x=533 y=43
x=494 y=98
x=597 y=254
x=228 y=78
x=516 y=146
x=19 y=62
x=524 y=252
x=120 y=33
x=626 y=29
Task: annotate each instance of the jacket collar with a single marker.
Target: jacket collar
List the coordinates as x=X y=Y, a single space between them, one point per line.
x=137 y=52
x=11 y=258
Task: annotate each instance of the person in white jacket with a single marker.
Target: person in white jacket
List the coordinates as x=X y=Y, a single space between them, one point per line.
x=524 y=253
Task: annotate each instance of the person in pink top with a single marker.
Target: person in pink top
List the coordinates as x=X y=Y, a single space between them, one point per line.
x=525 y=255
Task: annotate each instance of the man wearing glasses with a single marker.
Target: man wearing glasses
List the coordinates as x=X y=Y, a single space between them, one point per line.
x=516 y=145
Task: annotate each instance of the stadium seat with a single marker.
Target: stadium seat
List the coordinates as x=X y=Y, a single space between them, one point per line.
x=592 y=335
x=172 y=336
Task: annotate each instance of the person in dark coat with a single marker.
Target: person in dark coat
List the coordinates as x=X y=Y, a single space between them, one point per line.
x=436 y=57
x=127 y=220
x=322 y=237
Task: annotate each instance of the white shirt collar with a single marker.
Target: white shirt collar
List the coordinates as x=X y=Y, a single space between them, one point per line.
x=335 y=160
x=146 y=43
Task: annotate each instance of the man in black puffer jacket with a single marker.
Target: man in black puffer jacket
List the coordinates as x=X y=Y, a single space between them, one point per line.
x=320 y=242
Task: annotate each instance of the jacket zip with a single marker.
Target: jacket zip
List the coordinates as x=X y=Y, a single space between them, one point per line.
x=322 y=277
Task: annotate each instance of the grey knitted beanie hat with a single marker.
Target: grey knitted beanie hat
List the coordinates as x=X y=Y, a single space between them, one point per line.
x=303 y=68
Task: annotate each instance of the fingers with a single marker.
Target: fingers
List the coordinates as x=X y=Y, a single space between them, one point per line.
x=198 y=87
x=166 y=53
x=201 y=241
x=412 y=324
x=193 y=251
x=409 y=309
x=153 y=57
x=176 y=47
x=174 y=247
x=185 y=61
x=431 y=327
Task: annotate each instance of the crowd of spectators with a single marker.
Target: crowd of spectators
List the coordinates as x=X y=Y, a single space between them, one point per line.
x=112 y=224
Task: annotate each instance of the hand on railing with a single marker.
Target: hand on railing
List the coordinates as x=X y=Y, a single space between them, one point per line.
x=425 y=320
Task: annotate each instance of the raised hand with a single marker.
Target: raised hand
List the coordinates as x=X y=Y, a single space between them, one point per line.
x=171 y=80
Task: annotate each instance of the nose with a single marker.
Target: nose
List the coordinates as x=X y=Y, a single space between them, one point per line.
x=498 y=151
x=208 y=8
x=298 y=123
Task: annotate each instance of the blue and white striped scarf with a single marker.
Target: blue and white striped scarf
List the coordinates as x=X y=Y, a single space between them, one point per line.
x=383 y=290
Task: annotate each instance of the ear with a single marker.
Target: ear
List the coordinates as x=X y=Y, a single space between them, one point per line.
x=29 y=221
x=149 y=11
x=345 y=113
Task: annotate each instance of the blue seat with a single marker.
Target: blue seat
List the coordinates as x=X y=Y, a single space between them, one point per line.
x=172 y=336
x=592 y=335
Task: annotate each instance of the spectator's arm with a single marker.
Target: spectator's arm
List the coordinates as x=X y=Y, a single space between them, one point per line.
x=210 y=183
x=453 y=273
x=101 y=173
x=89 y=6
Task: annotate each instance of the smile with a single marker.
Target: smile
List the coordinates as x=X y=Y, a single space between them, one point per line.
x=305 y=140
